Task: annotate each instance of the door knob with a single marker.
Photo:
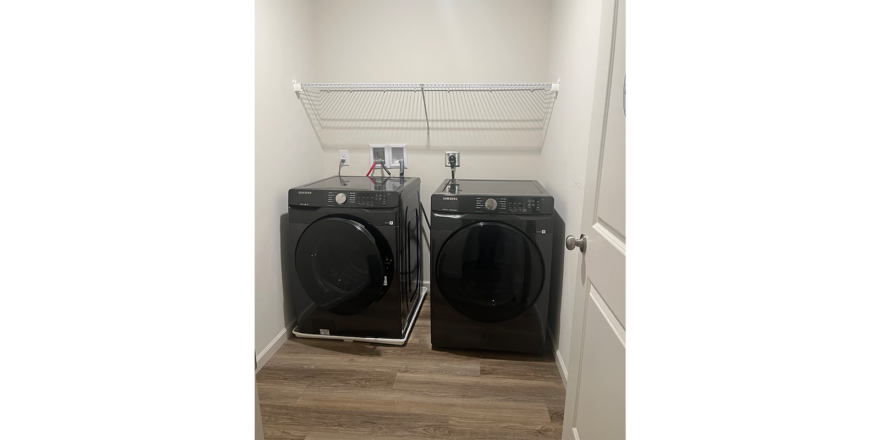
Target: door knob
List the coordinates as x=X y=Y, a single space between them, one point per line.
x=571 y=242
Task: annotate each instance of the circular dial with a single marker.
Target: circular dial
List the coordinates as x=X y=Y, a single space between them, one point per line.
x=491 y=204
x=340 y=198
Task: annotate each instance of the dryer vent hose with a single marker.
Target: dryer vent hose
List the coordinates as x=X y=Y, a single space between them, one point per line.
x=425 y=214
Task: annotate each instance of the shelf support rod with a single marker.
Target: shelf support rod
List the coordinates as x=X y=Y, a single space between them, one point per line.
x=426 y=109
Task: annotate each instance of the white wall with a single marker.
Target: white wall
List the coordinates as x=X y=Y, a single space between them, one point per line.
x=284 y=142
x=493 y=41
x=432 y=40
x=574 y=40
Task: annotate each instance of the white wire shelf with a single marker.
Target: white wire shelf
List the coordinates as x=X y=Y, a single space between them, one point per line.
x=480 y=116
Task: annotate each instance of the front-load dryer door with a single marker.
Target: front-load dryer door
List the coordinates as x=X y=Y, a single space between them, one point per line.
x=489 y=271
x=344 y=264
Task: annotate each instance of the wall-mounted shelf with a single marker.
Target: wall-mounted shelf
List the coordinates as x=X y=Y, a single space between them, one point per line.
x=441 y=116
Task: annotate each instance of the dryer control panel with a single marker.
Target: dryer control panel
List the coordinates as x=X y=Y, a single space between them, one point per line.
x=487 y=204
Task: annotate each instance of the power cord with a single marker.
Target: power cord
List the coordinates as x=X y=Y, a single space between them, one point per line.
x=452 y=165
x=385 y=168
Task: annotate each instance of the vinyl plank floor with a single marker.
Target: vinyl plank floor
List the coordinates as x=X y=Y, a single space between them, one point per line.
x=364 y=423
x=404 y=402
x=339 y=377
x=272 y=431
x=313 y=363
x=556 y=411
x=529 y=370
x=343 y=436
x=316 y=389
x=477 y=388
x=279 y=392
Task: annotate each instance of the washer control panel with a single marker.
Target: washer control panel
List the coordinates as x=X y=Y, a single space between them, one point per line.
x=524 y=205
x=372 y=199
x=353 y=199
x=342 y=198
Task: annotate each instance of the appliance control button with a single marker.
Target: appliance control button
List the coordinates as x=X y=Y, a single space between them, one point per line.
x=491 y=204
x=340 y=198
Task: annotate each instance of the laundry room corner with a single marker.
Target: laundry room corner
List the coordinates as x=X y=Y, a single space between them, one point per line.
x=307 y=40
x=479 y=79
x=286 y=155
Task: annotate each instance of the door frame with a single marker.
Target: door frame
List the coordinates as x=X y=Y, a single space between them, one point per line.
x=258 y=419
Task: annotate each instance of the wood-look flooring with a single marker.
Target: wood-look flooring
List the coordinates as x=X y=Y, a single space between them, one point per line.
x=315 y=389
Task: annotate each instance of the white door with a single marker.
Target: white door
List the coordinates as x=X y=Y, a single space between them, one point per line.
x=595 y=403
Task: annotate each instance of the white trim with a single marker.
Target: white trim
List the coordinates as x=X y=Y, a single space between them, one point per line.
x=609 y=316
x=610 y=236
x=560 y=364
x=273 y=346
x=563 y=372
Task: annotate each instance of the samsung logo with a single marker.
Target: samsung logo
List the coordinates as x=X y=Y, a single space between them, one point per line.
x=451 y=198
x=305 y=192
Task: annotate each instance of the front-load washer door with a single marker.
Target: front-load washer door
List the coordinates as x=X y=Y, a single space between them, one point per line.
x=489 y=271
x=344 y=264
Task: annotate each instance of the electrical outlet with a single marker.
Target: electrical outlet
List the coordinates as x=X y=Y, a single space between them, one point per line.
x=457 y=158
x=343 y=156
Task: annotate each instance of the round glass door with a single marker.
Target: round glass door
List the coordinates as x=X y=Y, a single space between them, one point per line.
x=343 y=264
x=490 y=272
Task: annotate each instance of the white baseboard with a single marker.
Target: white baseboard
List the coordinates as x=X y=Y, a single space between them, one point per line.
x=563 y=372
x=273 y=346
x=560 y=364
